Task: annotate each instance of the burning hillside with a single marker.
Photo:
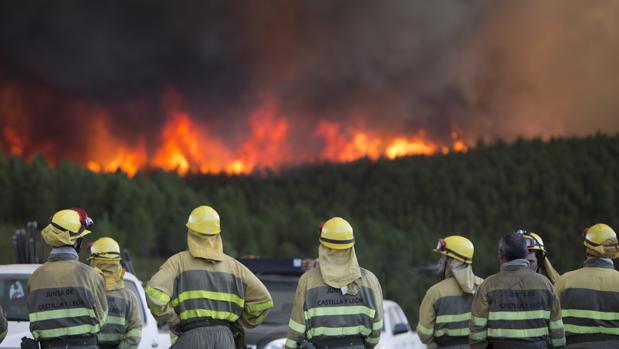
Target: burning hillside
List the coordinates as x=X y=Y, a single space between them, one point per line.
x=231 y=87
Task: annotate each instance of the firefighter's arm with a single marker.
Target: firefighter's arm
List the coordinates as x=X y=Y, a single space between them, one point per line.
x=377 y=324
x=296 y=325
x=132 y=337
x=101 y=306
x=478 y=339
x=158 y=291
x=258 y=300
x=427 y=317
x=555 y=326
x=3 y=324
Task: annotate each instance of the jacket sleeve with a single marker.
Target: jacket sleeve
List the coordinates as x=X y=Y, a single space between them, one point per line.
x=296 y=325
x=3 y=325
x=159 y=289
x=427 y=318
x=98 y=288
x=258 y=300
x=377 y=324
x=478 y=339
x=555 y=326
x=133 y=333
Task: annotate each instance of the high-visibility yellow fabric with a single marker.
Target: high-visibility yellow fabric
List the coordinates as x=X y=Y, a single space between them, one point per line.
x=339 y=268
x=497 y=314
x=590 y=299
x=189 y=288
x=205 y=246
x=320 y=311
x=445 y=310
x=59 y=285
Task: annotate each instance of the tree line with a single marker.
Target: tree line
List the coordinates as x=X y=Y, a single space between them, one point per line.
x=398 y=208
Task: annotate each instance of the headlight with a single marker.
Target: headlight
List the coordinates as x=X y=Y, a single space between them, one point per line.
x=276 y=344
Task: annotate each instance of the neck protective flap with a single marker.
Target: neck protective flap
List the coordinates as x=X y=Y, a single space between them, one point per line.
x=338 y=268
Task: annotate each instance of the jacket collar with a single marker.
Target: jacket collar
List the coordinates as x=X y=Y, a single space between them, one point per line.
x=595 y=262
x=515 y=265
x=64 y=253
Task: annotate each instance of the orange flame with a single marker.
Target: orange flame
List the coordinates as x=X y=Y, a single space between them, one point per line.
x=187 y=144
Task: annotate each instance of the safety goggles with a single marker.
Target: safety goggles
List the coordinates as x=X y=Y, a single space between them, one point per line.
x=441 y=247
x=71 y=233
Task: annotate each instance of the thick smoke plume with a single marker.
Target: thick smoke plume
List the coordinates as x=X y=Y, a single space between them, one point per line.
x=294 y=81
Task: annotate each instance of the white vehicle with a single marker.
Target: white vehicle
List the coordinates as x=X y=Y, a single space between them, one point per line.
x=397 y=333
x=13 y=293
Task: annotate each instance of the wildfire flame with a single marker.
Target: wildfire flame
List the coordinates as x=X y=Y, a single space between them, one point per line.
x=187 y=144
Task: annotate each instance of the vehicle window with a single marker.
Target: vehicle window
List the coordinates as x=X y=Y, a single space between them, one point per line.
x=131 y=286
x=283 y=297
x=13 y=295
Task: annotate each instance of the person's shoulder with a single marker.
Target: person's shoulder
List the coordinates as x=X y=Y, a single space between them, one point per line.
x=368 y=275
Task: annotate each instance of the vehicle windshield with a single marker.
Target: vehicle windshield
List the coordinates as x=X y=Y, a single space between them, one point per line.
x=282 y=293
x=13 y=288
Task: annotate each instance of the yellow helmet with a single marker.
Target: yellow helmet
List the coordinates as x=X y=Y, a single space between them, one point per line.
x=456 y=247
x=534 y=241
x=204 y=220
x=337 y=234
x=601 y=240
x=64 y=229
x=105 y=248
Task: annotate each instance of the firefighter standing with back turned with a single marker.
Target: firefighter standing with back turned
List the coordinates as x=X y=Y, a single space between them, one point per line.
x=202 y=292
x=516 y=308
x=590 y=295
x=339 y=304
x=66 y=298
x=538 y=256
x=123 y=327
x=445 y=311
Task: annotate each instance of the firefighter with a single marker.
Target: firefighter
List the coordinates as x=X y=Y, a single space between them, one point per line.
x=203 y=294
x=538 y=256
x=3 y=325
x=516 y=308
x=123 y=327
x=338 y=304
x=445 y=311
x=66 y=299
x=590 y=295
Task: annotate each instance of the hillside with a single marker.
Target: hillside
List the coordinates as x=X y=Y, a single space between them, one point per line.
x=398 y=208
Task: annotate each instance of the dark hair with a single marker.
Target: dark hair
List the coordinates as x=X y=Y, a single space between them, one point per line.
x=513 y=246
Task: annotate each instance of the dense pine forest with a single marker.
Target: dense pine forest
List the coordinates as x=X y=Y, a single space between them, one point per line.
x=399 y=208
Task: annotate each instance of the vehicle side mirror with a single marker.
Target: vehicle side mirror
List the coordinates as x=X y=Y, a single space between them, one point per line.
x=400 y=328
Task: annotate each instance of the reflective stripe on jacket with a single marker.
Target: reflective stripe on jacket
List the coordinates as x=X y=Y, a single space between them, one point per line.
x=514 y=306
x=187 y=289
x=590 y=301
x=66 y=298
x=123 y=327
x=320 y=311
x=444 y=313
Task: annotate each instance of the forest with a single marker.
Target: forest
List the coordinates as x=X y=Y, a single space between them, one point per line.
x=398 y=208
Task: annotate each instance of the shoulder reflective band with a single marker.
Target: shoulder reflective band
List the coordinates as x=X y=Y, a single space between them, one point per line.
x=337 y=242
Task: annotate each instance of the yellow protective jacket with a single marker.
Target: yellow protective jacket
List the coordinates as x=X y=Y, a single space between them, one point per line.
x=123 y=327
x=65 y=297
x=516 y=308
x=445 y=313
x=590 y=302
x=320 y=312
x=186 y=290
x=3 y=325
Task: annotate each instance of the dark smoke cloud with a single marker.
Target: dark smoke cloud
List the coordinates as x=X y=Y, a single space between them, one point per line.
x=493 y=68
